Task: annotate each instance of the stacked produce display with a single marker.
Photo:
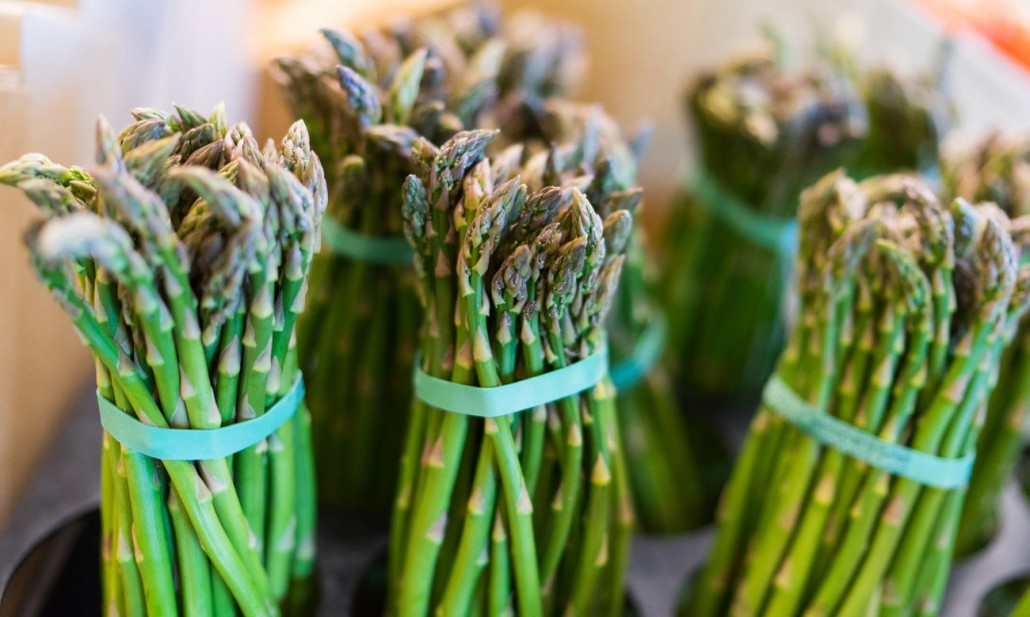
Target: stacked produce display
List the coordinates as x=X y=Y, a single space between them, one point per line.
x=182 y=258
x=498 y=368
x=762 y=134
x=367 y=104
x=904 y=306
x=997 y=171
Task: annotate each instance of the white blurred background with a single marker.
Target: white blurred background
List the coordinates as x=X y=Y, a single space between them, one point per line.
x=63 y=62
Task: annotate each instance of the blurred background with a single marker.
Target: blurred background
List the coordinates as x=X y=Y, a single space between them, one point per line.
x=63 y=62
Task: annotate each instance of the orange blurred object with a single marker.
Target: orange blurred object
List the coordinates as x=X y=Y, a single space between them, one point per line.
x=1004 y=23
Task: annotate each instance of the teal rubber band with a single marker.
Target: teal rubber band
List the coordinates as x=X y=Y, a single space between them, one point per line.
x=899 y=460
x=183 y=444
x=634 y=367
x=776 y=234
x=514 y=397
x=349 y=243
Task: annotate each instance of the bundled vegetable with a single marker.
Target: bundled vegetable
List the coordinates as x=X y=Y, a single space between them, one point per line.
x=997 y=171
x=850 y=507
x=529 y=512
x=763 y=135
x=663 y=466
x=367 y=103
x=908 y=118
x=182 y=261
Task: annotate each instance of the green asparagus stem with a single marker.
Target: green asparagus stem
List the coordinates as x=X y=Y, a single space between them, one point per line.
x=193 y=565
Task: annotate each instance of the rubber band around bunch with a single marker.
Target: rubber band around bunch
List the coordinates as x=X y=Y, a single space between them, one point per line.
x=896 y=459
x=632 y=369
x=514 y=397
x=779 y=235
x=344 y=241
x=187 y=444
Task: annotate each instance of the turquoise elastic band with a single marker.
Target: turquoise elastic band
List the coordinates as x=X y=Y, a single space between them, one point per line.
x=896 y=459
x=776 y=234
x=645 y=354
x=179 y=444
x=349 y=243
x=514 y=397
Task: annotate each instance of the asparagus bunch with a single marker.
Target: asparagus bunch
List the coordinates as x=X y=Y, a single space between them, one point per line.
x=903 y=311
x=997 y=171
x=527 y=513
x=763 y=134
x=663 y=466
x=182 y=261
x=367 y=101
x=907 y=121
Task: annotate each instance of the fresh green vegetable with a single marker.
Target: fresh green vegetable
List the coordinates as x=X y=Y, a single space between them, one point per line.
x=763 y=134
x=902 y=316
x=997 y=171
x=665 y=471
x=908 y=118
x=182 y=262
x=367 y=102
x=528 y=513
